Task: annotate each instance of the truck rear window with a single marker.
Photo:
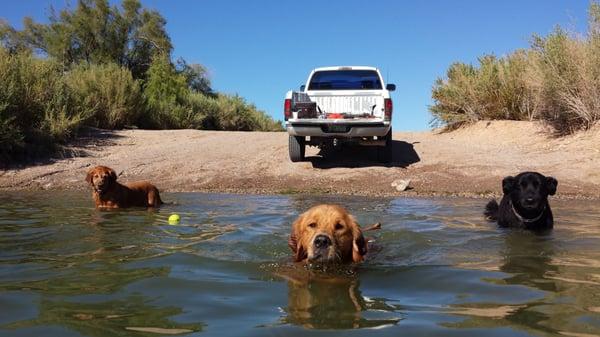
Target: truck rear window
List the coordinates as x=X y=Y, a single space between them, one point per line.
x=345 y=80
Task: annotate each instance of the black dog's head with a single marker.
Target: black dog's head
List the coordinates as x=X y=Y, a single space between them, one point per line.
x=529 y=191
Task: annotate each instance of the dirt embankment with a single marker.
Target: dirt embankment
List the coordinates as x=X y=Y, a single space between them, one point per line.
x=470 y=161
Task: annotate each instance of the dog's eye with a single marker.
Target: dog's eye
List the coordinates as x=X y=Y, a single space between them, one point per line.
x=339 y=226
x=312 y=225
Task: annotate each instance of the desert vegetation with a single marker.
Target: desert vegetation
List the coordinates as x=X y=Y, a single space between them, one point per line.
x=108 y=67
x=556 y=80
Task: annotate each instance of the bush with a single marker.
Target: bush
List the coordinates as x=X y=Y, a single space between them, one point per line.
x=235 y=114
x=110 y=91
x=62 y=116
x=42 y=104
x=569 y=69
x=34 y=105
x=557 y=80
x=166 y=92
x=96 y=60
x=172 y=104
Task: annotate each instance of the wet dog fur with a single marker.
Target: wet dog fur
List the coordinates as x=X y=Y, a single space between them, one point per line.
x=524 y=203
x=107 y=192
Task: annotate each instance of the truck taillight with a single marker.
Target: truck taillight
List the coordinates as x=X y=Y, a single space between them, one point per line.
x=388 y=109
x=287 y=109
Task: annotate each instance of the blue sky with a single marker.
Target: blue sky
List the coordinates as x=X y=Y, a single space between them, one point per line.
x=260 y=49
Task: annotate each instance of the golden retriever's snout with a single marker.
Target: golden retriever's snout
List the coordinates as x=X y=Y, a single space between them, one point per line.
x=103 y=181
x=322 y=248
x=322 y=241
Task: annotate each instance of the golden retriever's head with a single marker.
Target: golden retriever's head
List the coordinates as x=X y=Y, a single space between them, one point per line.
x=327 y=233
x=101 y=178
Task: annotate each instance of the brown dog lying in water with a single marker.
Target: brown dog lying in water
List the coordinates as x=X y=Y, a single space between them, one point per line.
x=327 y=233
x=108 y=193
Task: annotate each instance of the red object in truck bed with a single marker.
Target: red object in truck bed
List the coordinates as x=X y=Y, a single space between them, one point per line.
x=335 y=116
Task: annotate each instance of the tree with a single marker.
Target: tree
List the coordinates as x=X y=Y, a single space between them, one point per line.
x=196 y=77
x=164 y=84
x=94 y=32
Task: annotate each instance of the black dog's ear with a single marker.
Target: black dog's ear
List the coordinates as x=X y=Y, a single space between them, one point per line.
x=551 y=184
x=507 y=184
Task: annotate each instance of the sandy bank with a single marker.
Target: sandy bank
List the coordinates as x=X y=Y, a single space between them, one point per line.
x=470 y=161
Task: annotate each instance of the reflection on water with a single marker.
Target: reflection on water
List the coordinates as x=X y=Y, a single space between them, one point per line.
x=436 y=268
x=105 y=318
x=332 y=301
x=527 y=258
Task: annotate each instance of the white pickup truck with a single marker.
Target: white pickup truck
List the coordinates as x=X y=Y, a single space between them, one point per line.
x=340 y=105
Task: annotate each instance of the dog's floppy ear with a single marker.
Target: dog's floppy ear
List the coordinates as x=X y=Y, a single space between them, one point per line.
x=359 y=244
x=295 y=244
x=551 y=184
x=507 y=184
x=89 y=175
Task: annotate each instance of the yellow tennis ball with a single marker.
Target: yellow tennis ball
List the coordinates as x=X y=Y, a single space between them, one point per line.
x=173 y=219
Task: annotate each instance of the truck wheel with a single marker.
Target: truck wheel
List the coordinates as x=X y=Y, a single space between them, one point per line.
x=384 y=153
x=297 y=146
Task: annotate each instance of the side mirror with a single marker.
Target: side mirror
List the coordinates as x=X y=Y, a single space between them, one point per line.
x=302 y=87
x=390 y=87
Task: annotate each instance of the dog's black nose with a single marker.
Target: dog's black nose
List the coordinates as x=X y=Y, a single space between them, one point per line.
x=322 y=241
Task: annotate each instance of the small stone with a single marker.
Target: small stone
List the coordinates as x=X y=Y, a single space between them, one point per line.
x=401 y=184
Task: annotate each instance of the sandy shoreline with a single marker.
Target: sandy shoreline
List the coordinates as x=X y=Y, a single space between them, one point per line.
x=466 y=162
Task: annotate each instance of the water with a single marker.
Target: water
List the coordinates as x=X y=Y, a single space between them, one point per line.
x=436 y=268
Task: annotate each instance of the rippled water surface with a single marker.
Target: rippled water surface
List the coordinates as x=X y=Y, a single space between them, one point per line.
x=436 y=268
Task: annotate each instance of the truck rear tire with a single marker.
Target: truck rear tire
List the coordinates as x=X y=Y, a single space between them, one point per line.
x=385 y=153
x=297 y=147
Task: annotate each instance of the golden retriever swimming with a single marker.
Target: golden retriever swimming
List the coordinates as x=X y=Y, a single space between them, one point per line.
x=327 y=234
x=108 y=193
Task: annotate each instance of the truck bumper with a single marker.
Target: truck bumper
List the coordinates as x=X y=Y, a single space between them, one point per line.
x=337 y=129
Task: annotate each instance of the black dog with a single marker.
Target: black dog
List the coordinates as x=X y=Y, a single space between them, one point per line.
x=525 y=202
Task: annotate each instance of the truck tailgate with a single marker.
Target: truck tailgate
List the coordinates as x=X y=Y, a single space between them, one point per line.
x=354 y=103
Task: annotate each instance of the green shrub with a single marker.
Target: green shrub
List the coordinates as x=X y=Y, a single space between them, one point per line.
x=172 y=104
x=12 y=134
x=205 y=110
x=455 y=97
x=110 y=91
x=96 y=58
x=557 y=80
x=570 y=72
x=166 y=92
x=29 y=118
x=62 y=116
x=517 y=99
x=37 y=107
x=235 y=114
x=496 y=89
